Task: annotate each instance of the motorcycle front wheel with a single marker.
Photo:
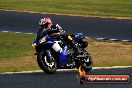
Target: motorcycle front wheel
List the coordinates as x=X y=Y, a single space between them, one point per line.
x=48 y=66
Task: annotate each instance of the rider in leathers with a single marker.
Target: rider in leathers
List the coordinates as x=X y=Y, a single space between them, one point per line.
x=47 y=28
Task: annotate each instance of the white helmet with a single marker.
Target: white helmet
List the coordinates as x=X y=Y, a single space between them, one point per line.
x=45 y=21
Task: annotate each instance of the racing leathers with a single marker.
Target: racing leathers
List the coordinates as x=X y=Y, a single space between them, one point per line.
x=46 y=32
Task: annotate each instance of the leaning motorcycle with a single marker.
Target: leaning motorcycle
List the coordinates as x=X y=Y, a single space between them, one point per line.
x=55 y=53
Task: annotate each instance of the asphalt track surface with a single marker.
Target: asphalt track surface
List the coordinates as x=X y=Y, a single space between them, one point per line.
x=90 y=26
x=66 y=79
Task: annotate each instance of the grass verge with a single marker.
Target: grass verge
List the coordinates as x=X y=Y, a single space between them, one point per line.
x=118 y=8
x=16 y=53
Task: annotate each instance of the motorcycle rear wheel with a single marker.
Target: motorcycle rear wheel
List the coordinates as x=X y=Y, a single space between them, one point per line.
x=85 y=65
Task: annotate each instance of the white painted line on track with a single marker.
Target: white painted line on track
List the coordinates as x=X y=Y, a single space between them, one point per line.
x=37 y=71
x=29 y=33
x=34 y=71
x=5 y=31
x=85 y=37
x=17 y=32
x=113 y=39
x=125 y=40
x=65 y=70
x=100 y=38
x=112 y=67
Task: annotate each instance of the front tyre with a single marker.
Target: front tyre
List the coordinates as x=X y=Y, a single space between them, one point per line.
x=48 y=66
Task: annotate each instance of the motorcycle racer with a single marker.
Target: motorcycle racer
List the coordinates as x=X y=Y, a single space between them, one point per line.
x=53 y=53
x=46 y=28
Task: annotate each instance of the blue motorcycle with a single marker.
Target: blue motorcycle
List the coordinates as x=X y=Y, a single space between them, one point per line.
x=56 y=52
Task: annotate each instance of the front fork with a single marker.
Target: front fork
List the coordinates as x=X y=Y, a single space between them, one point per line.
x=48 y=55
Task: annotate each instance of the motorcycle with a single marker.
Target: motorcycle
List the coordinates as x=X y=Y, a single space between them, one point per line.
x=55 y=53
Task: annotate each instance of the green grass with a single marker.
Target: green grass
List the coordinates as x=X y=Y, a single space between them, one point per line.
x=17 y=54
x=14 y=45
x=110 y=53
x=118 y=8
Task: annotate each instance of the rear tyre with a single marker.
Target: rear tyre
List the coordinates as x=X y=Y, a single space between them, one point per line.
x=48 y=66
x=85 y=62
